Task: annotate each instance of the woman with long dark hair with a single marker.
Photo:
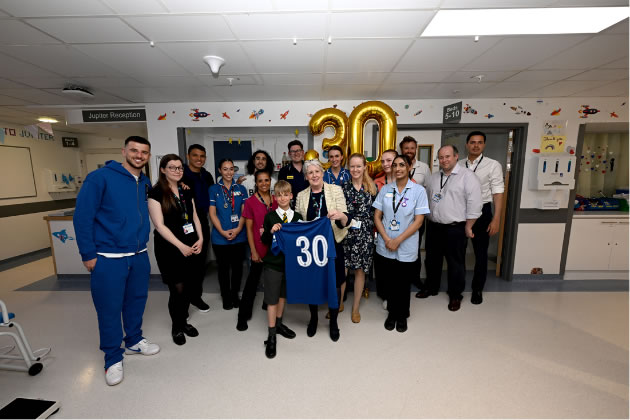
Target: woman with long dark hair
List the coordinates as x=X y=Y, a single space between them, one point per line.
x=178 y=242
x=258 y=161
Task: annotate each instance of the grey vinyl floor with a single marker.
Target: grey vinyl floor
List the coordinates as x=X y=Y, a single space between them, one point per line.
x=526 y=352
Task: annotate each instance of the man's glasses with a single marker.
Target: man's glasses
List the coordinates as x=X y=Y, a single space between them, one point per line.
x=175 y=168
x=292 y=152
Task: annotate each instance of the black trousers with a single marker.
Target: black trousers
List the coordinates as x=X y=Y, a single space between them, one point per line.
x=249 y=291
x=480 y=245
x=398 y=286
x=230 y=259
x=196 y=285
x=446 y=241
x=416 y=278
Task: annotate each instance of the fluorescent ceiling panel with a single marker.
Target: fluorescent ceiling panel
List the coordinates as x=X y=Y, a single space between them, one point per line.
x=524 y=21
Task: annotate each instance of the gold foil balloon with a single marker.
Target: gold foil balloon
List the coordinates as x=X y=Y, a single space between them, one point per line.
x=386 y=119
x=311 y=154
x=337 y=119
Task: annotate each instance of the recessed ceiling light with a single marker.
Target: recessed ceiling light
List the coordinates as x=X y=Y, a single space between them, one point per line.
x=47 y=120
x=565 y=20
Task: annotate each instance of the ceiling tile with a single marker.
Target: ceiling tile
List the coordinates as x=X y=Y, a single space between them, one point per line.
x=491 y=4
x=36 y=8
x=269 y=93
x=371 y=78
x=2 y=14
x=7 y=100
x=105 y=82
x=591 y=53
x=88 y=30
x=222 y=80
x=542 y=75
x=135 y=7
x=285 y=5
x=564 y=88
x=138 y=95
x=10 y=68
x=278 y=26
x=488 y=76
x=601 y=74
x=512 y=89
x=13 y=32
x=171 y=81
x=204 y=6
x=520 y=53
x=136 y=60
x=405 y=91
x=617 y=64
x=45 y=82
x=619 y=89
x=190 y=56
x=345 y=91
x=378 y=24
x=284 y=57
x=589 y=3
x=38 y=96
x=100 y=97
x=349 y=55
x=428 y=77
x=292 y=79
x=182 y=28
x=186 y=94
x=618 y=28
x=459 y=90
x=378 y=5
x=8 y=84
x=436 y=54
x=61 y=59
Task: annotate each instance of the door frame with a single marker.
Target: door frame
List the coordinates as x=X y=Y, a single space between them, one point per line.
x=513 y=199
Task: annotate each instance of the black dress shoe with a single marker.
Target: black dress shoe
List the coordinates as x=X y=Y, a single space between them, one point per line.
x=423 y=294
x=227 y=304
x=390 y=323
x=401 y=325
x=201 y=305
x=241 y=325
x=236 y=302
x=190 y=331
x=270 y=347
x=311 y=329
x=476 y=298
x=334 y=334
x=454 y=304
x=285 y=331
x=179 y=338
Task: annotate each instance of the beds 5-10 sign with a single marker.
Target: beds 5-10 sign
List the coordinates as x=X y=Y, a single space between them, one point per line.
x=452 y=113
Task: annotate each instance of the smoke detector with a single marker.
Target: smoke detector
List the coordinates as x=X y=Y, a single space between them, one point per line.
x=78 y=91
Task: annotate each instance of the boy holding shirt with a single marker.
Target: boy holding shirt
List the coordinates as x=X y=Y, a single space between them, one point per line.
x=275 y=280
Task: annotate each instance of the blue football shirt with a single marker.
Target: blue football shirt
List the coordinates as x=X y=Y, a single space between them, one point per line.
x=309 y=259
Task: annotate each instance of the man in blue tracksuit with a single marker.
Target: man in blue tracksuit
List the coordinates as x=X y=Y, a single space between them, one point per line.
x=111 y=223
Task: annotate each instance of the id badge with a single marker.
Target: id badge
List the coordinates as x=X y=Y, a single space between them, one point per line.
x=234 y=218
x=394 y=225
x=188 y=228
x=436 y=197
x=355 y=224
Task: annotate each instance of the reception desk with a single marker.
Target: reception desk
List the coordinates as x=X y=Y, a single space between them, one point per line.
x=65 y=252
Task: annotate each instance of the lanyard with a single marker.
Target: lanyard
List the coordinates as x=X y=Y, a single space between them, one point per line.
x=442 y=184
x=317 y=206
x=227 y=196
x=394 y=205
x=268 y=207
x=181 y=203
x=478 y=163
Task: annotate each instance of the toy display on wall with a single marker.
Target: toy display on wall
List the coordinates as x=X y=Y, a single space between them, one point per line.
x=586 y=110
x=196 y=114
x=162 y=117
x=556 y=112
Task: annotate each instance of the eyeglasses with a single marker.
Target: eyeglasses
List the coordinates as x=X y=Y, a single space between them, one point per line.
x=175 y=168
x=295 y=151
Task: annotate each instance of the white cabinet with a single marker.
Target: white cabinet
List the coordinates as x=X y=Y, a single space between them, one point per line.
x=597 y=245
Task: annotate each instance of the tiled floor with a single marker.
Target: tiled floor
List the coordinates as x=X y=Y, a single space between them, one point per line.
x=545 y=354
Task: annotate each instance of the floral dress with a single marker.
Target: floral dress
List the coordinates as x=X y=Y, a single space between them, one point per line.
x=358 y=245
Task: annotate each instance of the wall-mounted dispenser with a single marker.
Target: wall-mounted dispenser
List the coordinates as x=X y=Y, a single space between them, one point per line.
x=553 y=172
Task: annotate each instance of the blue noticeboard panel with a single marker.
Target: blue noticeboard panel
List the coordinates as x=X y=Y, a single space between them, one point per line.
x=234 y=151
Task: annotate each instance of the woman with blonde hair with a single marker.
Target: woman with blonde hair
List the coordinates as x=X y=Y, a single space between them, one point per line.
x=320 y=199
x=360 y=192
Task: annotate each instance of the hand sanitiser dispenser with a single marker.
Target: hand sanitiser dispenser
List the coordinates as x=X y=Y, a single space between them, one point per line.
x=553 y=172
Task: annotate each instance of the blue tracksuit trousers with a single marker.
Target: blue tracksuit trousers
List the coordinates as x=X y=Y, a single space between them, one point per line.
x=120 y=286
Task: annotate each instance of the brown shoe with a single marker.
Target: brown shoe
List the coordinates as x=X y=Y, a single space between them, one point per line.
x=454 y=305
x=355 y=317
x=366 y=293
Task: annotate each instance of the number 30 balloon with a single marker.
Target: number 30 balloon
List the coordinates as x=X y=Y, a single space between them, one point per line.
x=337 y=119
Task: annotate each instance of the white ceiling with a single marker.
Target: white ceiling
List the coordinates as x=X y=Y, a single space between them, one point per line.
x=375 y=52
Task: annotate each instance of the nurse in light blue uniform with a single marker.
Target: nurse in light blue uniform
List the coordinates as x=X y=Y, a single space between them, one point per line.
x=400 y=209
x=229 y=239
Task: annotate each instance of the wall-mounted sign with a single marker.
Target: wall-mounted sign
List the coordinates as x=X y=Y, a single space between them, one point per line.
x=114 y=115
x=70 y=142
x=452 y=113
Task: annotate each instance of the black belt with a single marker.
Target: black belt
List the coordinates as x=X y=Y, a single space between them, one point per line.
x=450 y=224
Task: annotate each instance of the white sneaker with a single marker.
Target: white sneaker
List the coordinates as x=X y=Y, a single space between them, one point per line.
x=114 y=374
x=143 y=347
x=385 y=304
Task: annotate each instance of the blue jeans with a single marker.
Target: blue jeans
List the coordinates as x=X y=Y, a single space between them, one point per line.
x=120 y=286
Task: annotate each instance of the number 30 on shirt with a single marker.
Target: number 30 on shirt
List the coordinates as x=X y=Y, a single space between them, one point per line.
x=312 y=255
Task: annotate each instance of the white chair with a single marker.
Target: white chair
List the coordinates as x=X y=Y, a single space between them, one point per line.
x=31 y=359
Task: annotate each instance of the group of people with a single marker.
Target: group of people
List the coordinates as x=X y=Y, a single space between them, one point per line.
x=374 y=224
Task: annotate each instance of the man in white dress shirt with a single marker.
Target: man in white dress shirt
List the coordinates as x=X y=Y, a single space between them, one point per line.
x=420 y=173
x=455 y=202
x=490 y=174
